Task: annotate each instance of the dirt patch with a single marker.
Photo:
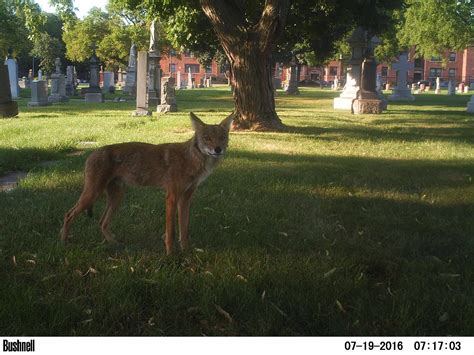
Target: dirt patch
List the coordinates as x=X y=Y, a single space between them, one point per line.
x=10 y=181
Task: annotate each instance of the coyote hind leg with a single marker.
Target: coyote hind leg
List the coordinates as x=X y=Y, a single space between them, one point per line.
x=115 y=191
x=86 y=201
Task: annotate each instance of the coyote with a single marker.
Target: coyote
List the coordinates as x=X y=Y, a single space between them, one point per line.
x=178 y=168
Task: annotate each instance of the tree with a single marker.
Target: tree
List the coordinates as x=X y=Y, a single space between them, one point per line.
x=435 y=26
x=112 y=35
x=248 y=31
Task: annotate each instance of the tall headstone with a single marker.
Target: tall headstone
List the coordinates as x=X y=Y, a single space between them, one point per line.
x=451 y=88
x=93 y=92
x=58 y=85
x=438 y=89
x=401 y=92
x=153 y=69
x=178 y=80
x=368 y=100
x=358 y=45
x=292 y=88
x=12 y=65
x=30 y=77
x=8 y=107
x=190 y=79
x=70 y=82
x=470 y=105
x=142 y=102
x=168 y=96
x=131 y=80
x=39 y=93
x=108 y=82
x=40 y=74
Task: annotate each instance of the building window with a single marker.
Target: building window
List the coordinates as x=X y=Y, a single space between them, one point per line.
x=435 y=72
x=187 y=54
x=172 y=68
x=194 y=68
x=384 y=71
x=436 y=59
x=333 y=71
x=452 y=56
x=452 y=72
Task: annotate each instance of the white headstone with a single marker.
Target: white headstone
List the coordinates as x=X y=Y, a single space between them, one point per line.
x=178 y=80
x=190 y=79
x=438 y=89
x=142 y=102
x=401 y=92
x=40 y=74
x=470 y=105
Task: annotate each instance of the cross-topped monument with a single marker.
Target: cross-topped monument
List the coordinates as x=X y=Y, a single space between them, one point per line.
x=401 y=92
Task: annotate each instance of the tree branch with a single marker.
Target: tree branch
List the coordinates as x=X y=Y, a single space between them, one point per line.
x=272 y=22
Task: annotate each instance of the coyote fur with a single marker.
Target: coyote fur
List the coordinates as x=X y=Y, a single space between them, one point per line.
x=178 y=168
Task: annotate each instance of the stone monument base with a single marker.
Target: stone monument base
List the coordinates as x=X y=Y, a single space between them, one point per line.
x=39 y=103
x=401 y=95
x=94 y=97
x=8 y=109
x=167 y=108
x=343 y=103
x=371 y=106
x=57 y=98
x=141 y=112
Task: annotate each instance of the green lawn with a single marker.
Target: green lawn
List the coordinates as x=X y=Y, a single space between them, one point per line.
x=343 y=225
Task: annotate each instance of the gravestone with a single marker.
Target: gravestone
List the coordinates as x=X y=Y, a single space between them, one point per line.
x=154 y=70
x=178 y=80
x=208 y=82
x=168 y=96
x=461 y=88
x=8 y=107
x=358 y=45
x=12 y=65
x=470 y=105
x=131 y=80
x=368 y=100
x=58 y=85
x=190 y=80
x=276 y=79
x=401 y=92
x=108 y=82
x=40 y=74
x=466 y=89
x=30 y=77
x=451 y=88
x=70 y=83
x=93 y=92
x=438 y=89
x=292 y=88
x=39 y=93
x=142 y=102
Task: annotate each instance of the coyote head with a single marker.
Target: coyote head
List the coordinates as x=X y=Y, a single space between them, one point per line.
x=211 y=139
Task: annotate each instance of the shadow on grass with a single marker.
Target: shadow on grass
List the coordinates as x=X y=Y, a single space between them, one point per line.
x=305 y=231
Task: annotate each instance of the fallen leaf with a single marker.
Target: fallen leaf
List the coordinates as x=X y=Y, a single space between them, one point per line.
x=224 y=313
x=330 y=272
x=283 y=234
x=263 y=294
x=14 y=260
x=240 y=277
x=339 y=305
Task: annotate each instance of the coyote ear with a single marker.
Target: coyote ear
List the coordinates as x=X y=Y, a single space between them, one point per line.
x=227 y=121
x=195 y=121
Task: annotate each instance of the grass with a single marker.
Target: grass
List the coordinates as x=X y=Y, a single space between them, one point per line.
x=345 y=225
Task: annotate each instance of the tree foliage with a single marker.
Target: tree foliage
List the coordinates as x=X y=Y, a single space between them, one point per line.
x=435 y=26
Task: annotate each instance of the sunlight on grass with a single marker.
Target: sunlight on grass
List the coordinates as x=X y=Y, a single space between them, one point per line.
x=371 y=214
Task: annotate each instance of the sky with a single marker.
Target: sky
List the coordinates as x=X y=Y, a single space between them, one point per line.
x=83 y=6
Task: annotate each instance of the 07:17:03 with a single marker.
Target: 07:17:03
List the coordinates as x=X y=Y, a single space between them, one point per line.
x=437 y=345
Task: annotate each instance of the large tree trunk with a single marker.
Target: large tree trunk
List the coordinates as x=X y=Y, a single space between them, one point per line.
x=248 y=48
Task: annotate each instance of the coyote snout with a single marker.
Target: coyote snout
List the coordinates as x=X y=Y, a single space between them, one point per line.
x=178 y=168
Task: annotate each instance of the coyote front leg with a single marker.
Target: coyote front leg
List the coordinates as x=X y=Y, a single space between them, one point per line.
x=184 y=205
x=170 y=221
